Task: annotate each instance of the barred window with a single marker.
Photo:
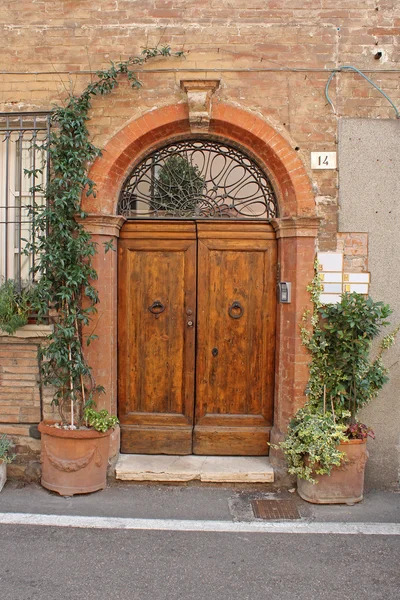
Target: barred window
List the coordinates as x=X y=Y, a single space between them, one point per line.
x=22 y=136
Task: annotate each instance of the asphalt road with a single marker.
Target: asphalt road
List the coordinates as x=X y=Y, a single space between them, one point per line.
x=55 y=563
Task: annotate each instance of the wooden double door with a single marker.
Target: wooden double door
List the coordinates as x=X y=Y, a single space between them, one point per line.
x=196 y=337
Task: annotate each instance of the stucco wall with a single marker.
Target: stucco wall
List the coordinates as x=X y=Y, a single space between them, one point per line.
x=369 y=199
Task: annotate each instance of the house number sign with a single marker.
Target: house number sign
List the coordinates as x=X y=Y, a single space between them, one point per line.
x=323 y=160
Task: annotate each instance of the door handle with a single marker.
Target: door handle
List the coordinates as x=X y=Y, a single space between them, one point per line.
x=157 y=307
x=235 y=310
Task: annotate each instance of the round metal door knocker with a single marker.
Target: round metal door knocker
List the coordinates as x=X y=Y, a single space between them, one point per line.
x=235 y=310
x=157 y=307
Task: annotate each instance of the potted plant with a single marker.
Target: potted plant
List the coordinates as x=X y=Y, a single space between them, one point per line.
x=326 y=443
x=75 y=448
x=75 y=458
x=6 y=457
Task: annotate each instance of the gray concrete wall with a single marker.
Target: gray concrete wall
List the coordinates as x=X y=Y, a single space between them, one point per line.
x=369 y=197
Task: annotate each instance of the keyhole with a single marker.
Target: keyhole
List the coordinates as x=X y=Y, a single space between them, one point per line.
x=214 y=351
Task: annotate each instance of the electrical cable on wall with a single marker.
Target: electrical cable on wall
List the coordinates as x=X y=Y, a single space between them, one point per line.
x=351 y=68
x=278 y=69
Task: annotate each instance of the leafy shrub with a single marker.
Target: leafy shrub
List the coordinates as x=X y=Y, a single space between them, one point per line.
x=5 y=449
x=14 y=307
x=340 y=347
x=178 y=186
x=311 y=444
x=100 y=420
x=343 y=379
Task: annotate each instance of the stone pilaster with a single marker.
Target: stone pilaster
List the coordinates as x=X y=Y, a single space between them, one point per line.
x=102 y=352
x=296 y=252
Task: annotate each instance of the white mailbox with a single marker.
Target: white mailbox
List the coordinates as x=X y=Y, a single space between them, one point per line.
x=330 y=261
x=334 y=282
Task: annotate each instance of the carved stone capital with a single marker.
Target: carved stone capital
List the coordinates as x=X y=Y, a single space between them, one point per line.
x=199 y=93
x=98 y=224
x=296 y=227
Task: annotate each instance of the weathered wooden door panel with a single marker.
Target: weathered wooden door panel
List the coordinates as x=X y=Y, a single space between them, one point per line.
x=157 y=303
x=235 y=338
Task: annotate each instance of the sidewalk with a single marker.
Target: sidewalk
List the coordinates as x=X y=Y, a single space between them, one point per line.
x=151 y=542
x=193 y=502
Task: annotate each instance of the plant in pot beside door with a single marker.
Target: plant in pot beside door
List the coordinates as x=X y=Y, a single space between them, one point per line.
x=75 y=448
x=326 y=444
x=75 y=459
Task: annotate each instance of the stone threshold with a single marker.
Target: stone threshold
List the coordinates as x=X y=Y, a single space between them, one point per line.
x=216 y=469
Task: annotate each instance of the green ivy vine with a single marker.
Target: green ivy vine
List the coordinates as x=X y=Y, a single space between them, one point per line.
x=64 y=272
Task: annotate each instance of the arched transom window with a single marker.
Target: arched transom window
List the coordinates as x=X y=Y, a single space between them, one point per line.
x=198 y=179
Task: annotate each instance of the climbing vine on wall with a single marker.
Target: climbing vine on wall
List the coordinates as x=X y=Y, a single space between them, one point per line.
x=64 y=272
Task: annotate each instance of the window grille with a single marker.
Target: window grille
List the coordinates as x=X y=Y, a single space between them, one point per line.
x=22 y=140
x=198 y=179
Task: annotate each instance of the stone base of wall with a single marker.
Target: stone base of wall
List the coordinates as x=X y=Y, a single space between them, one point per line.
x=22 y=399
x=27 y=448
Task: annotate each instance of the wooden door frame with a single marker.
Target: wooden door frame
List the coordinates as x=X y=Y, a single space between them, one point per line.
x=296 y=232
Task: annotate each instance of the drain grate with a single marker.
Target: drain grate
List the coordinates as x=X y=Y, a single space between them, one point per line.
x=274 y=509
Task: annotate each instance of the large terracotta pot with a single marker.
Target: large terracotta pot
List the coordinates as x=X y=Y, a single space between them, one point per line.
x=73 y=462
x=345 y=484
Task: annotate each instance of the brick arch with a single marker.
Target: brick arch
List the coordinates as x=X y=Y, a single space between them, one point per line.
x=280 y=160
x=295 y=234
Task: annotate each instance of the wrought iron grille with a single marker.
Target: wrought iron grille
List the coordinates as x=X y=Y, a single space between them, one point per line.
x=22 y=140
x=198 y=179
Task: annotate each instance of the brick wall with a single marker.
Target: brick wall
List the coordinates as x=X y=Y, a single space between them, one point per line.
x=19 y=381
x=22 y=399
x=273 y=58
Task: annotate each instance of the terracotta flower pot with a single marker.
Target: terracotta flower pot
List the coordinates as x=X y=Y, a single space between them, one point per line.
x=73 y=462
x=345 y=484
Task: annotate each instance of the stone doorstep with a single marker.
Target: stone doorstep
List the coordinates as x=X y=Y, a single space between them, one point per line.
x=229 y=469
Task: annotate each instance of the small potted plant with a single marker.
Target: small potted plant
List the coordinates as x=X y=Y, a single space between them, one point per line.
x=6 y=457
x=326 y=443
